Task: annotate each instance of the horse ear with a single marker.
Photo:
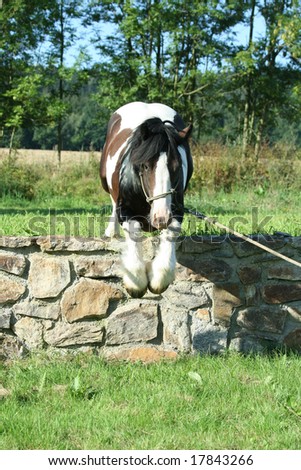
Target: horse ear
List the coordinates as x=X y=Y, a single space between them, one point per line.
x=185 y=133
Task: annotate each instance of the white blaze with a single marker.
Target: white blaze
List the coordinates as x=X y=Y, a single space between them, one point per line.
x=161 y=208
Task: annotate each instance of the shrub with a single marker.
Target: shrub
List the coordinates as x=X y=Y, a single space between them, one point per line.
x=17 y=180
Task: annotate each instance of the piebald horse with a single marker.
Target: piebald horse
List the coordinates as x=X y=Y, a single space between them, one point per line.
x=145 y=167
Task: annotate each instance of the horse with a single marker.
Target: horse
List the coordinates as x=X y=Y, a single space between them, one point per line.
x=145 y=166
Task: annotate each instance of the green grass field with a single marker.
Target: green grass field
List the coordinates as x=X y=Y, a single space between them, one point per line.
x=210 y=402
x=244 y=211
x=40 y=199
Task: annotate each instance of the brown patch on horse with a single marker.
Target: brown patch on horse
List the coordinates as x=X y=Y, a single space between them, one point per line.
x=118 y=140
x=113 y=129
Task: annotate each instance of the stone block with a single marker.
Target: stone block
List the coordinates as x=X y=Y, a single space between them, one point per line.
x=250 y=344
x=5 y=318
x=296 y=243
x=48 y=276
x=38 y=309
x=281 y=293
x=208 y=338
x=65 y=334
x=133 y=322
x=146 y=354
x=88 y=298
x=30 y=331
x=96 y=266
x=284 y=271
x=243 y=248
x=225 y=298
x=12 y=263
x=186 y=294
x=11 y=347
x=199 y=269
x=11 y=289
x=249 y=274
x=176 y=330
x=200 y=245
x=17 y=242
x=293 y=340
x=267 y=319
x=63 y=243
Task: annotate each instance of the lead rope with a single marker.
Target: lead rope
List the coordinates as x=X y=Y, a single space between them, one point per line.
x=211 y=221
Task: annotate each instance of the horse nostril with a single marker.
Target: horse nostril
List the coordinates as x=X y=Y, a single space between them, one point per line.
x=161 y=222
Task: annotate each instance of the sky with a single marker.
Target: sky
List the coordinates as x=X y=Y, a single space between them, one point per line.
x=85 y=38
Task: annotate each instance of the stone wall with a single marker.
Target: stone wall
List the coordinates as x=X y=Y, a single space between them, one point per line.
x=58 y=293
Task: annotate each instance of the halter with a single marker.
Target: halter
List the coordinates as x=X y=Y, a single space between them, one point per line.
x=149 y=200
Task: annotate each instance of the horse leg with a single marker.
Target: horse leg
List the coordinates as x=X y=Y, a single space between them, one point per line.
x=134 y=270
x=161 y=270
x=113 y=229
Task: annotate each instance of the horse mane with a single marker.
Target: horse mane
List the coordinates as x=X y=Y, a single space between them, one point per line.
x=151 y=138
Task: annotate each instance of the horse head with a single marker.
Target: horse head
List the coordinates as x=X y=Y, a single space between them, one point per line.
x=159 y=157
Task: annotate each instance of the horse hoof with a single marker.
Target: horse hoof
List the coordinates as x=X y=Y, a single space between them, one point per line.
x=157 y=290
x=136 y=294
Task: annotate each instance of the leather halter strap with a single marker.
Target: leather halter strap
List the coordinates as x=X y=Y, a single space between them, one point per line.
x=153 y=198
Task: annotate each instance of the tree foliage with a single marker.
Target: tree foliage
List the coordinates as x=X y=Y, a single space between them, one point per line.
x=231 y=66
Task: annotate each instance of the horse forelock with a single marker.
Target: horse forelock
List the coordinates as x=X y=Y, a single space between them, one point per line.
x=152 y=138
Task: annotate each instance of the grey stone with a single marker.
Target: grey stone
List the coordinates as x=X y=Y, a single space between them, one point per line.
x=225 y=298
x=5 y=318
x=95 y=266
x=135 y=322
x=38 y=309
x=199 y=244
x=66 y=334
x=11 y=288
x=88 y=298
x=249 y=274
x=63 y=243
x=199 y=269
x=244 y=248
x=186 y=294
x=30 y=331
x=293 y=340
x=17 y=242
x=208 y=337
x=249 y=344
x=268 y=319
x=12 y=263
x=284 y=271
x=176 y=330
x=48 y=276
x=281 y=293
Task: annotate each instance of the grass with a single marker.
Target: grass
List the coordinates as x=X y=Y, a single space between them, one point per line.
x=226 y=402
x=244 y=211
x=40 y=199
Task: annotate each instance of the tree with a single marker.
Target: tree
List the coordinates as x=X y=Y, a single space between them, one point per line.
x=63 y=81
x=262 y=71
x=19 y=83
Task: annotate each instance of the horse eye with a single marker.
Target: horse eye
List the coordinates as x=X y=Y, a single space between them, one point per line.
x=145 y=167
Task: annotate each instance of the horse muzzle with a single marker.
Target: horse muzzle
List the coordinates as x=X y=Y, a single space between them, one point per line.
x=161 y=221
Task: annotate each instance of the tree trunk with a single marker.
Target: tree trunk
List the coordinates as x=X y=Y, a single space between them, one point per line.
x=11 y=144
x=247 y=130
x=61 y=83
x=259 y=134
